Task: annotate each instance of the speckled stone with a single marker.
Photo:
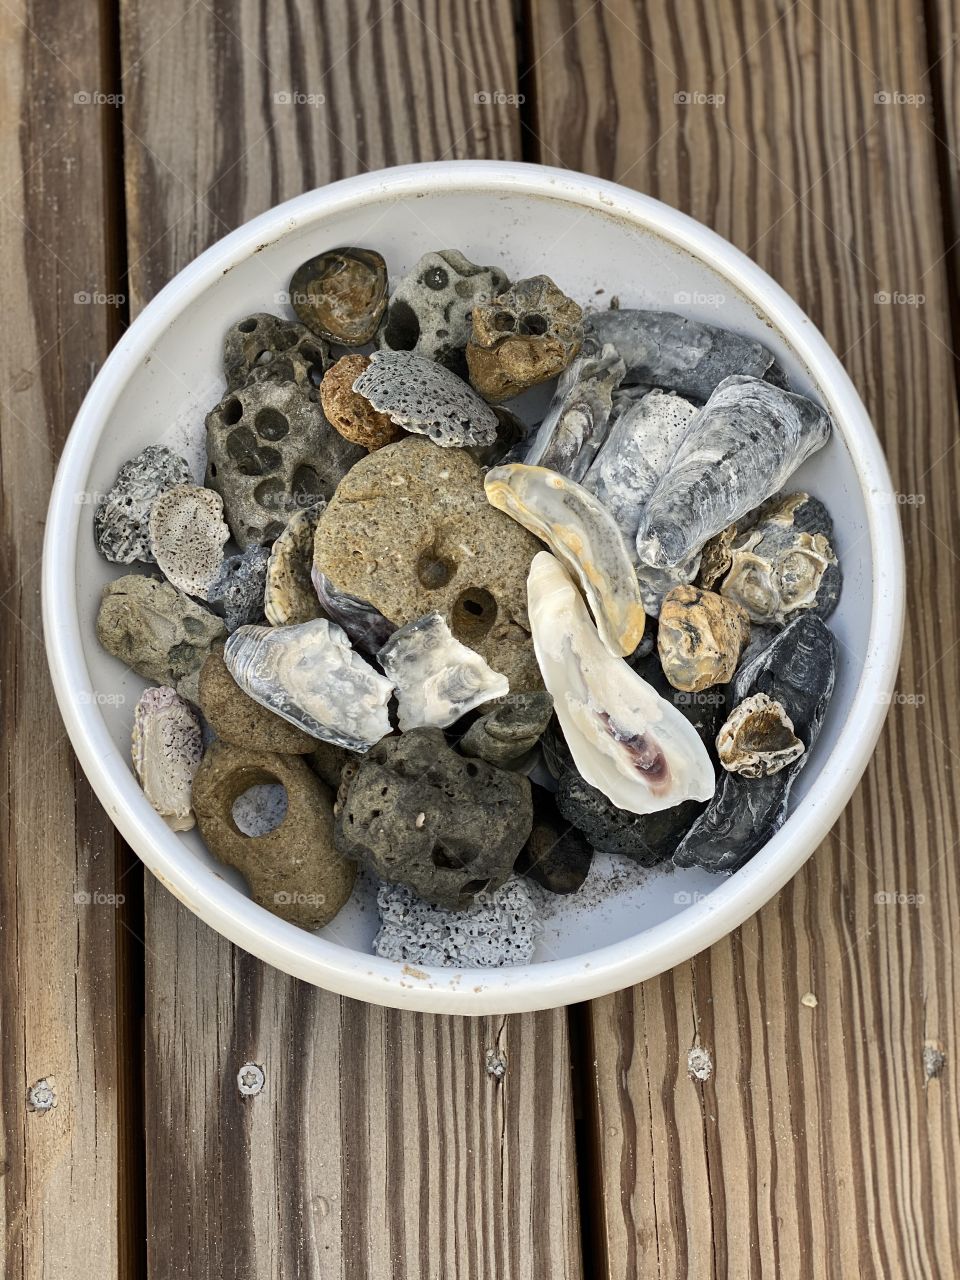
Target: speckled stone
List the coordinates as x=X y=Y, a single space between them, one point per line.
x=187 y=537
x=419 y=814
x=349 y=413
x=410 y=530
x=293 y=871
x=121 y=525
x=156 y=630
x=237 y=719
x=271 y=453
x=237 y=592
x=527 y=335
x=499 y=928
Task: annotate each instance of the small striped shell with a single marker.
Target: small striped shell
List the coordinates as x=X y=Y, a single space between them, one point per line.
x=166 y=746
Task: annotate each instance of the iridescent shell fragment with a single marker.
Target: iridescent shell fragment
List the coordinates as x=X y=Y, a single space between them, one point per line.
x=584 y=536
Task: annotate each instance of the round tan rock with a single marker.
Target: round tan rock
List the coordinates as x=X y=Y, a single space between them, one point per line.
x=348 y=412
x=236 y=718
x=293 y=871
x=410 y=530
x=700 y=638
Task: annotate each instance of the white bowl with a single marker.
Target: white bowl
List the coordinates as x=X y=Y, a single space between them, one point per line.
x=595 y=239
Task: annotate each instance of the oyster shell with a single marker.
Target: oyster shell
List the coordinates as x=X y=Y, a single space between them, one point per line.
x=288 y=595
x=635 y=454
x=166 y=747
x=625 y=739
x=585 y=537
x=797 y=670
x=757 y=738
x=309 y=675
x=785 y=562
x=738 y=451
x=662 y=349
x=366 y=626
x=427 y=399
x=437 y=679
x=340 y=294
x=576 y=422
x=700 y=638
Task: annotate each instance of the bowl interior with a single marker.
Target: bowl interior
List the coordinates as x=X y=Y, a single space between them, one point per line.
x=593 y=254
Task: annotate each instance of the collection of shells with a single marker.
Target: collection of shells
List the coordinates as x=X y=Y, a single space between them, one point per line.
x=472 y=652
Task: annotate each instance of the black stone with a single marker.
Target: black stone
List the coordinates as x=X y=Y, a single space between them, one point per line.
x=557 y=855
x=797 y=669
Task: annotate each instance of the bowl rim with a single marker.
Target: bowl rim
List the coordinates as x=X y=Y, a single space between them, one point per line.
x=549 y=983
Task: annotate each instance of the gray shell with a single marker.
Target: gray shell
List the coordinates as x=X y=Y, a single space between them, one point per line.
x=635 y=454
x=309 y=675
x=429 y=312
x=797 y=670
x=187 y=537
x=576 y=422
x=662 y=349
x=166 y=747
x=288 y=595
x=738 y=450
x=121 y=526
x=498 y=929
x=427 y=399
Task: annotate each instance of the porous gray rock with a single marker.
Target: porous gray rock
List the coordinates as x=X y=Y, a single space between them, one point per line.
x=121 y=525
x=237 y=592
x=419 y=814
x=271 y=453
x=427 y=399
x=499 y=928
x=267 y=346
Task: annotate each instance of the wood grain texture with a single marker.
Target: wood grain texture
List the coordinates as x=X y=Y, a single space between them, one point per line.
x=826 y=1142
x=380 y=1145
x=62 y=1018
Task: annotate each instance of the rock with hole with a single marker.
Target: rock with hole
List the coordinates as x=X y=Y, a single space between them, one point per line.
x=293 y=871
x=410 y=532
x=267 y=346
x=429 y=311
x=527 y=335
x=271 y=453
x=419 y=814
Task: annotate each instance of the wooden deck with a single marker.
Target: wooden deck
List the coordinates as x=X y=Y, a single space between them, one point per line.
x=824 y=140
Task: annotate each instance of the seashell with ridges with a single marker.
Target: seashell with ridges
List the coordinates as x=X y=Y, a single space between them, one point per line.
x=576 y=422
x=166 y=747
x=738 y=451
x=309 y=675
x=427 y=399
x=757 y=738
x=437 y=679
x=583 y=534
x=625 y=739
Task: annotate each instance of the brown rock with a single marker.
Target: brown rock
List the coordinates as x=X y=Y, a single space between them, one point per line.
x=700 y=638
x=236 y=718
x=529 y=334
x=410 y=530
x=349 y=413
x=293 y=871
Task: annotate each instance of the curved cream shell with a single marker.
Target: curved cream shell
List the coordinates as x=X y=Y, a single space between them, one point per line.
x=585 y=537
x=625 y=739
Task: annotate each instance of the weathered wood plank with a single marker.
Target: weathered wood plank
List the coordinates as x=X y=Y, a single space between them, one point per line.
x=379 y=1145
x=62 y=1002
x=825 y=1141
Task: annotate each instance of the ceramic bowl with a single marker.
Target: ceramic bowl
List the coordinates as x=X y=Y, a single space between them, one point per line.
x=595 y=239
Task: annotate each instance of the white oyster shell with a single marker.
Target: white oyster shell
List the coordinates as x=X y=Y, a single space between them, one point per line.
x=757 y=739
x=309 y=675
x=166 y=746
x=437 y=678
x=625 y=739
x=583 y=534
x=289 y=597
x=187 y=537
